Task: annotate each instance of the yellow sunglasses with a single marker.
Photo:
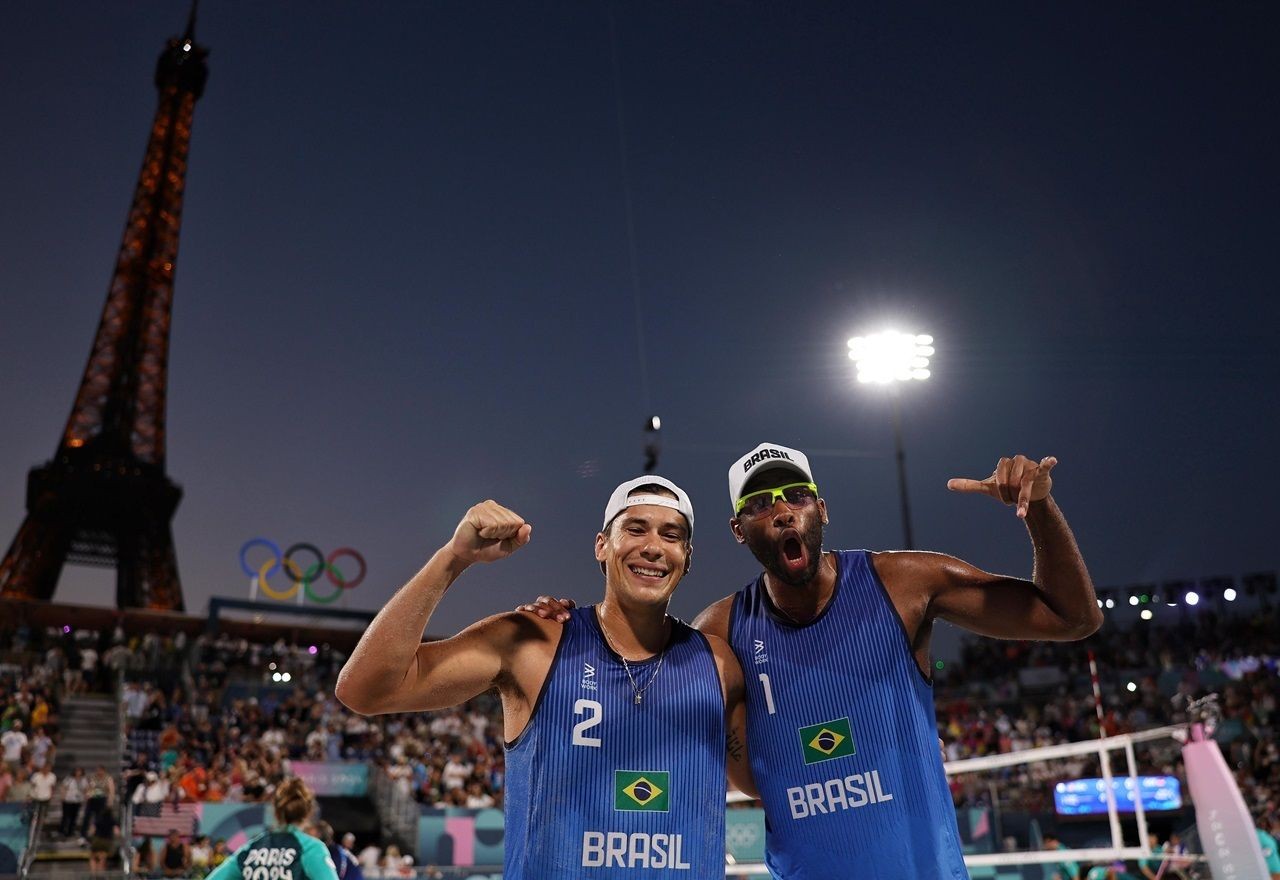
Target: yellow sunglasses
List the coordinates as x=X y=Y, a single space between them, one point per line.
x=796 y=495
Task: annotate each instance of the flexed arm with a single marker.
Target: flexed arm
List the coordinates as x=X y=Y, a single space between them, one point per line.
x=1058 y=603
x=393 y=670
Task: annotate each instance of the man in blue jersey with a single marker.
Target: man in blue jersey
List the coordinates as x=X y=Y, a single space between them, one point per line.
x=835 y=651
x=841 y=724
x=616 y=724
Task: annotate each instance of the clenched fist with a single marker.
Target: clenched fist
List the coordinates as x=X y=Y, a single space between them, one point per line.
x=488 y=532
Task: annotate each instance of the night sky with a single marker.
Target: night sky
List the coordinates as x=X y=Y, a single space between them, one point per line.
x=421 y=266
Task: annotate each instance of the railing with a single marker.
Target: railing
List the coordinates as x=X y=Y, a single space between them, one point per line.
x=398 y=810
x=38 y=809
x=126 y=803
x=126 y=835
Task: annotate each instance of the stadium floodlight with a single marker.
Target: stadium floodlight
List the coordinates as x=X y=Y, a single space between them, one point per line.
x=1132 y=686
x=1193 y=598
x=1111 y=603
x=1147 y=614
x=1229 y=594
x=888 y=359
x=1133 y=600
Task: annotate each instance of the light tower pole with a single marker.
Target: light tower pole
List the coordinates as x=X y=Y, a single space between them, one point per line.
x=889 y=359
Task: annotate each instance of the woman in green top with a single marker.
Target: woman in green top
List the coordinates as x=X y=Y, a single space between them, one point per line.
x=284 y=852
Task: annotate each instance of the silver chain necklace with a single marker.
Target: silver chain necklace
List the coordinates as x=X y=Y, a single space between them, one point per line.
x=639 y=691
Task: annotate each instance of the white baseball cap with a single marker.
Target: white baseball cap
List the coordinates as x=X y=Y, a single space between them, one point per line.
x=766 y=457
x=622 y=498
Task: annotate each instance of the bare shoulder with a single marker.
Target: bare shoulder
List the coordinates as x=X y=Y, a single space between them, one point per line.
x=720 y=648
x=515 y=632
x=915 y=569
x=714 y=619
x=726 y=665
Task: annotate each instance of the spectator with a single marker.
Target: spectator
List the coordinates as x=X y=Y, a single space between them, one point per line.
x=220 y=853
x=89 y=667
x=43 y=782
x=477 y=797
x=344 y=861
x=370 y=859
x=175 y=858
x=455 y=772
x=391 y=861
x=99 y=794
x=201 y=855
x=105 y=840
x=74 y=788
x=155 y=790
x=20 y=790
x=41 y=747
x=144 y=858
x=14 y=741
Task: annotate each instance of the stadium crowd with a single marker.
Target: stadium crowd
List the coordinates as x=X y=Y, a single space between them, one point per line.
x=218 y=718
x=1010 y=696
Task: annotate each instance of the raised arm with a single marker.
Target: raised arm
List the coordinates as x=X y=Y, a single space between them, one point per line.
x=393 y=670
x=1058 y=603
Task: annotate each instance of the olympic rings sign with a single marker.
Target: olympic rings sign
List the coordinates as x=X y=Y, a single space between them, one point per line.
x=302 y=578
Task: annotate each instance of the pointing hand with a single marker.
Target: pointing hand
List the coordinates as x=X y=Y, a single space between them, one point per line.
x=1017 y=480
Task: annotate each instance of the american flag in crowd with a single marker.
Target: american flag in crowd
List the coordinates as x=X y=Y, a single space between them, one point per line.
x=156 y=820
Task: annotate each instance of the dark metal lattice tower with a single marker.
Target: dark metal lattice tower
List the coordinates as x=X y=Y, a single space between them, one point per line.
x=105 y=499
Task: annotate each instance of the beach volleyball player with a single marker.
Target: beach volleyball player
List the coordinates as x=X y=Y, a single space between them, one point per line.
x=836 y=649
x=616 y=724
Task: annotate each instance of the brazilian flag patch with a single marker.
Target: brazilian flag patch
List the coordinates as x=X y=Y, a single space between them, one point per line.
x=647 y=790
x=826 y=741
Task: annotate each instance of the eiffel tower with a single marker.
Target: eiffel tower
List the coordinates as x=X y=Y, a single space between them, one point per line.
x=104 y=498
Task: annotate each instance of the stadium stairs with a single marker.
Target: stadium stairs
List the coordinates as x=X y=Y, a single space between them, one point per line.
x=91 y=735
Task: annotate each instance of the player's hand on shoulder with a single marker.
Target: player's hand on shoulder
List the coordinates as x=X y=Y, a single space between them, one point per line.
x=549 y=608
x=489 y=532
x=1018 y=480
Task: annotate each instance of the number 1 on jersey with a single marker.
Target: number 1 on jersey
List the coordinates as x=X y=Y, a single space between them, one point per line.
x=768 y=693
x=594 y=712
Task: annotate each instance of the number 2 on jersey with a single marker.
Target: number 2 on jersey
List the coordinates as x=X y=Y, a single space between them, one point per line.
x=594 y=712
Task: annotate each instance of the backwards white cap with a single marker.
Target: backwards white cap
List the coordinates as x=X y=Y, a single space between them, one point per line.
x=766 y=457
x=622 y=498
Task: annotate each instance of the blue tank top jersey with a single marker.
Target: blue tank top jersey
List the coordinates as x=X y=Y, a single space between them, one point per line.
x=841 y=734
x=601 y=786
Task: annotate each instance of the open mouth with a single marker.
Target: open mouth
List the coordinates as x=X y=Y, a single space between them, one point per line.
x=648 y=572
x=793 y=553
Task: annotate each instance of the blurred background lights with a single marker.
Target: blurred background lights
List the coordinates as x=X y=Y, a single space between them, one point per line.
x=891 y=356
x=1193 y=598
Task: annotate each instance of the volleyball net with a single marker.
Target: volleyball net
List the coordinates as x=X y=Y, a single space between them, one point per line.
x=1104 y=813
